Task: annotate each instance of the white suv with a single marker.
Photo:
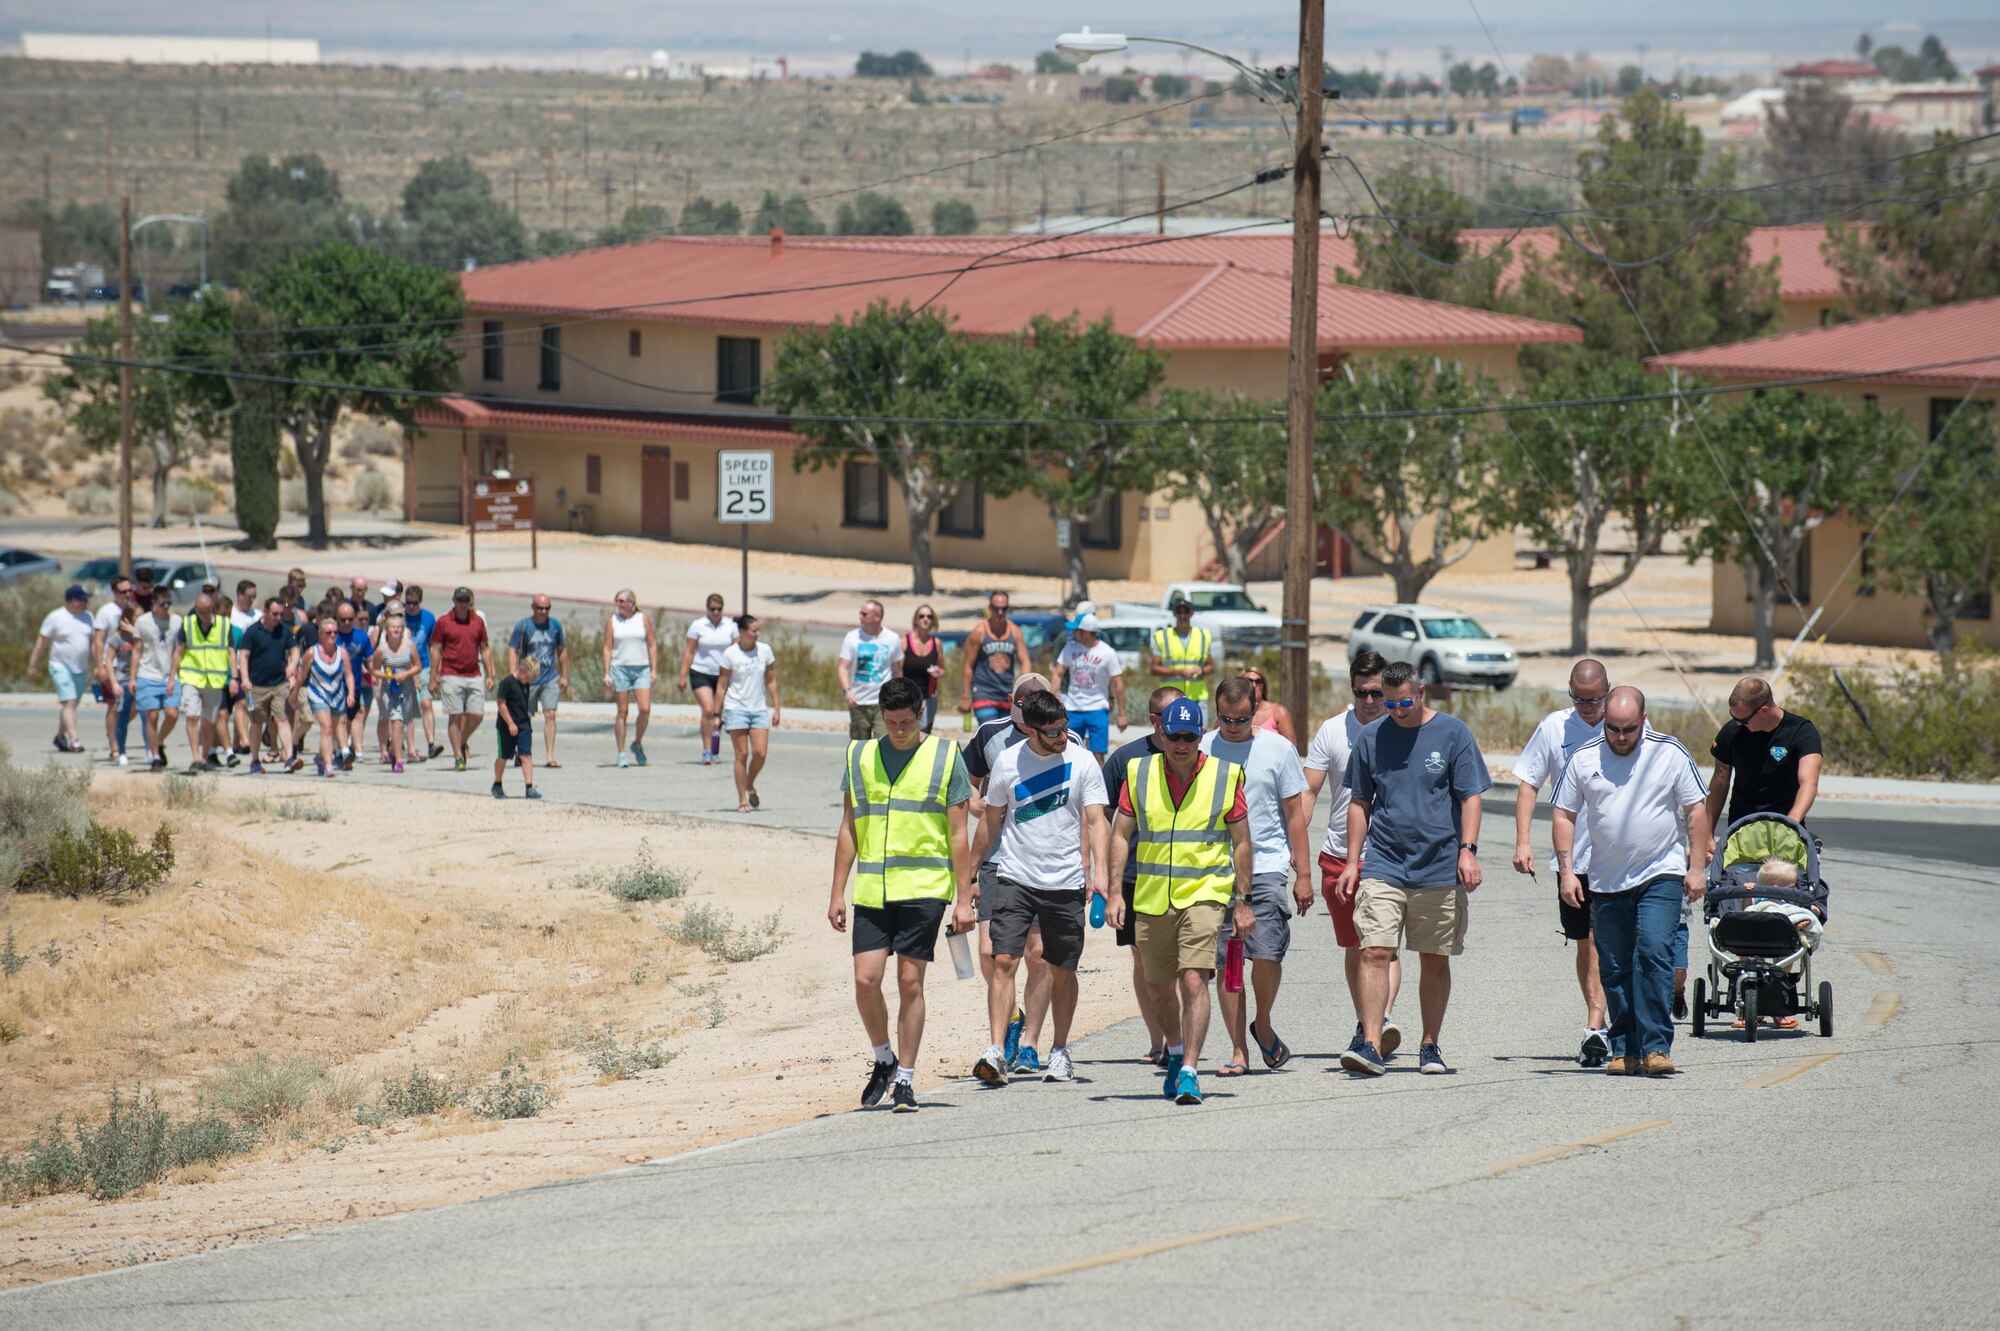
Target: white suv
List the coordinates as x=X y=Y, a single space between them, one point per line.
x=1445 y=646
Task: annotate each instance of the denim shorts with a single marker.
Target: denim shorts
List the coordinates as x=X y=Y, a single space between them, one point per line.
x=69 y=684
x=152 y=695
x=632 y=679
x=739 y=718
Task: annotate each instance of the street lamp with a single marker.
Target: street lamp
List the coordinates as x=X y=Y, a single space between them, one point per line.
x=1303 y=369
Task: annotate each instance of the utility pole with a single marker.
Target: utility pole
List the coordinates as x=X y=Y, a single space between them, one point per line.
x=1301 y=520
x=1160 y=195
x=125 y=387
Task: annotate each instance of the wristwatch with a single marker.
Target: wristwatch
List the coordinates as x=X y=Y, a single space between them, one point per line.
x=1472 y=846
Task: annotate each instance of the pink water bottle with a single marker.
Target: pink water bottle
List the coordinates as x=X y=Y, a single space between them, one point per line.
x=1232 y=966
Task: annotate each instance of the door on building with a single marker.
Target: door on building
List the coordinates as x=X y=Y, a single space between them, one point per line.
x=656 y=494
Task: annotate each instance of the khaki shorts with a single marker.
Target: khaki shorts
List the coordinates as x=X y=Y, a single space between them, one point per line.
x=1180 y=940
x=463 y=694
x=1425 y=919
x=267 y=702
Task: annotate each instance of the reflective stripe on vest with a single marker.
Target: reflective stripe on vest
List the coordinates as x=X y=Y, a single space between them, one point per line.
x=1170 y=648
x=1181 y=863
x=902 y=842
x=205 y=659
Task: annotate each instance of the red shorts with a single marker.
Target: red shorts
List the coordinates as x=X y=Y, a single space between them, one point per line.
x=1344 y=932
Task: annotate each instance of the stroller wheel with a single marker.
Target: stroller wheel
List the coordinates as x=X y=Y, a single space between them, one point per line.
x=1749 y=1010
x=1698 y=1012
x=1826 y=1008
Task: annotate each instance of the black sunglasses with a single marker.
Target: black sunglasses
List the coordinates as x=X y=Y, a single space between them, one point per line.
x=1610 y=729
x=1367 y=694
x=1235 y=720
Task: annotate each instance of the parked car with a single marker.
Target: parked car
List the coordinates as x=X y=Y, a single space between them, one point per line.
x=96 y=574
x=1224 y=609
x=1445 y=646
x=1132 y=642
x=17 y=563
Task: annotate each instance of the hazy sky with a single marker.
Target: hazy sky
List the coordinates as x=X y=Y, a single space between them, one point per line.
x=1741 y=33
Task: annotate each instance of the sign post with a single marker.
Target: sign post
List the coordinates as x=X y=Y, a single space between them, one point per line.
x=743 y=496
x=503 y=503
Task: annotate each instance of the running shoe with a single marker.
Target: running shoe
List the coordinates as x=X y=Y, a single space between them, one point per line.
x=1028 y=1064
x=458 y=765
x=534 y=794
x=212 y=765
x=1431 y=1061
x=1596 y=1051
x=1680 y=1005
x=295 y=764
x=639 y=757
x=256 y=767
x=879 y=1078
x=197 y=769
x=233 y=758
x=1363 y=1058
x=319 y=765
x=396 y=767
x=624 y=760
x=1187 y=1088
x=157 y=762
x=499 y=792
x=1392 y=1037
x=124 y=761
x=436 y=749
x=1170 y=1082
x=991 y=1067
x=1059 y=1068
x=905 y=1097
x=1015 y=1025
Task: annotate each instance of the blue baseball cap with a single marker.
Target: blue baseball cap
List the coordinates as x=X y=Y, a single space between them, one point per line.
x=1181 y=718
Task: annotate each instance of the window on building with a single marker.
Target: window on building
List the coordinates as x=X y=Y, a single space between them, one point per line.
x=1979 y=607
x=593 y=474
x=632 y=343
x=865 y=496
x=681 y=483
x=737 y=376
x=1102 y=529
x=492 y=350
x=551 y=356
x=965 y=515
x=1798 y=577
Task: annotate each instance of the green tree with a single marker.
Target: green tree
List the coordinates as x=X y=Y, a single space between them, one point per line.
x=256 y=434
x=641 y=221
x=452 y=217
x=1696 y=285
x=1381 y=480
x=706 y=217
x=313 y=300
x=1919 y=254
x=553 y=240
x=1789 y=459
x=1170 y=87
x=275 y=208
x=1233 y=471
x=793 y=213
x=1512 y=201
x=1840 y=160
x=953 y=217
x=1119 y=90
x=74 y=233
x=1940 y=542
x=901 y=65
x=1433 y=218
x=1929 y=63
x=1630 y=80
x=1085 y=379
x=1049 y=62
x=861 y=391
x=872 y=214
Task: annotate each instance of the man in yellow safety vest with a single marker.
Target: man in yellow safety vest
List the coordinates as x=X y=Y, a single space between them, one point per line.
x=202 y=655
x=1183 y=655
x=1183 y=815
x=902 y=833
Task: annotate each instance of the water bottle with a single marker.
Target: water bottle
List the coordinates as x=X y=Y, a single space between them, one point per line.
x=1096 y=911
x=961 y=953
x=1232 y=966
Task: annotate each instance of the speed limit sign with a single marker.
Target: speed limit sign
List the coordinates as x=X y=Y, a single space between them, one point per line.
x=743 y=485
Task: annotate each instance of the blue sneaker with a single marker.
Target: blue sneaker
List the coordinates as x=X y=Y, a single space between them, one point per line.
x=1012 y=1046
x=1187 y=1090
x=1170 y=1065
x=1364 y=1058
x=1430 y=1060
x=1028 y=1064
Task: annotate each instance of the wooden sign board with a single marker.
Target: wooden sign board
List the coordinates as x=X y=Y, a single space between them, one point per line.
x=502 y=503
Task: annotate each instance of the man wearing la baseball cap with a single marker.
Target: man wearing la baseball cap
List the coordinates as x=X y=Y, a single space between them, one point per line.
x=1087 y=676
x=1183 y=815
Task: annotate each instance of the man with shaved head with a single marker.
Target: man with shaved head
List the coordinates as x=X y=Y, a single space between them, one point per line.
x=1638 y=800
x=1541 y=763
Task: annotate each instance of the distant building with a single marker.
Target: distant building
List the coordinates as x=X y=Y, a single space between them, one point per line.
x=1060 y=89
x=171 y=50
x=20 y=266
x=1834 y=73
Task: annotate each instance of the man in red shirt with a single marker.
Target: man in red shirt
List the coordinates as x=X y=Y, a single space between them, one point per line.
x=462 y=672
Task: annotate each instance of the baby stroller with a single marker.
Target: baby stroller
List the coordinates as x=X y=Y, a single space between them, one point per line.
x=1760 y=962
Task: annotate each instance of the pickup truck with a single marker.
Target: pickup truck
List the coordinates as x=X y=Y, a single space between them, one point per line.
x=1224 y=609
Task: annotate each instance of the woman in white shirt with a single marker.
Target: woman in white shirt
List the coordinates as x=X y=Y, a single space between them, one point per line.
x=628 y=671
x=701 y=661
x=748 y=683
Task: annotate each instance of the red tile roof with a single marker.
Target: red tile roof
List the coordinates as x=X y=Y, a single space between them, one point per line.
x=453 y=413
x=1803 y=272
x=1946 y=346
x=1832 y=69
x=1199 y=292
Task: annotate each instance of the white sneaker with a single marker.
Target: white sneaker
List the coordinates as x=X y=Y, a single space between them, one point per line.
x=1392 y=1037
x=1059 y=1068
x=991 y=1067
x=124 y=761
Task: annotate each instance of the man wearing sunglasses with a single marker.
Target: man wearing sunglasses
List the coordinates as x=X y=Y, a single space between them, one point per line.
x=1327 y=756
x=1417 y=781
x=994 y=650
x=1547 y=752
x=1638 y=797
x=1274 y=788
x=1115 y=772
x=1767 y=759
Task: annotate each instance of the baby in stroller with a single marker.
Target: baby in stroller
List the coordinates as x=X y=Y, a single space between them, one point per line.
x=1765 y=912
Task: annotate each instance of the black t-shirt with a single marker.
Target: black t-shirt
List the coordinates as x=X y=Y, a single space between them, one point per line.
x=1765 y=767
x=266 y=650
x=1115 y=770
x=514 y=697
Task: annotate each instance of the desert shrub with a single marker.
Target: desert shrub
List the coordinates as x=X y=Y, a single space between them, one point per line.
x=259 y=1091
x=1928 y=717
x=187 y=496
x=371 y=491
x=90 y=499
x=106 y=862
x=302 y=811
x=292 y=496
x=10 y=1030
x=10 y=503
x=417 y=1094
x=12 y=960
x=137 y=1143
x=809 y=678
x=608 y=1058
x=513 y=1095
x=181 y=792
x=24 y=603
x=645 y=879
x=49 y=1163
x=371 y=439
x=712 y=930
x=38 y=807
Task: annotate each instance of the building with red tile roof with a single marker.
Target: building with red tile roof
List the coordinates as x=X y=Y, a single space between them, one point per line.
x=1832 y=71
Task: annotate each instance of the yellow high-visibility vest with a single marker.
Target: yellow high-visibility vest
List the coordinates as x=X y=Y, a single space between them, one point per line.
x=1184 y=851
x=1171 y=649
x=902 y=830
x=205 y=659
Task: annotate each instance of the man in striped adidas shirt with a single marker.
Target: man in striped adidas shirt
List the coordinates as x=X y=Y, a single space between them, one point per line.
x=1638 y=797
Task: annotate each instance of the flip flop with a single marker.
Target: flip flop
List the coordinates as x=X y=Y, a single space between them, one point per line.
x=1788 y=1023
x=755 y=803
x=552 y=763
x=1232 y=1070
x=1276 y=1055
x=1154 y=1056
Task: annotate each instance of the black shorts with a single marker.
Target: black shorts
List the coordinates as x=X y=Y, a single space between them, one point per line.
x=1575 y=919
x=907 y=928
x=990 y=891
x=517 y=746
x=1060 y=915
x=1128 y=931
x=700 y=680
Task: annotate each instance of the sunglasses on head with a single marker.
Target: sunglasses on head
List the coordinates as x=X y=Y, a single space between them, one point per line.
x=1399 y=704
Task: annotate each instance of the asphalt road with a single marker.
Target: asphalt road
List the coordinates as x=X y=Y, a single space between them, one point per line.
x=1798 y=1181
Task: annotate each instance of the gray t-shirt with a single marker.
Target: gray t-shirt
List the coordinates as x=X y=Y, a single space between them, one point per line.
x=1415 y=780
x=156 y=645
x=1271 y=775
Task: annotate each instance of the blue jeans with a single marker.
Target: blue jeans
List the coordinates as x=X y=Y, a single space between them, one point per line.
x=1635 y=962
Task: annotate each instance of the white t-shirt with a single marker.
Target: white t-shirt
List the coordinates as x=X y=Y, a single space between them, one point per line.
x=105 y=621
x=1542 y=760
x=1090 y=670
x=243 y=619
x=155 y=645
x=873 y=656
x=1271 y=775
x=1041 y=841
x=1633 y=808
x=628 y=640
x=710 y=641
x=746 y=676
x=69 y=633
x=1328 y=753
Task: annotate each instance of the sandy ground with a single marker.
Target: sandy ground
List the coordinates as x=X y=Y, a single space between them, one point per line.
x=389 y=969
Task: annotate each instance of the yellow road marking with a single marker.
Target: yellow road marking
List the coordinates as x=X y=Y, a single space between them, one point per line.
x=1785 y=1074
x=1131 y=1254
x=1874 y=961
x=1886 y=1005
x=1547 y=1153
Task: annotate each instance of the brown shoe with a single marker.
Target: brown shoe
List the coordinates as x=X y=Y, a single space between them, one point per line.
x=1622 y=1066
x=1659 y=1065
